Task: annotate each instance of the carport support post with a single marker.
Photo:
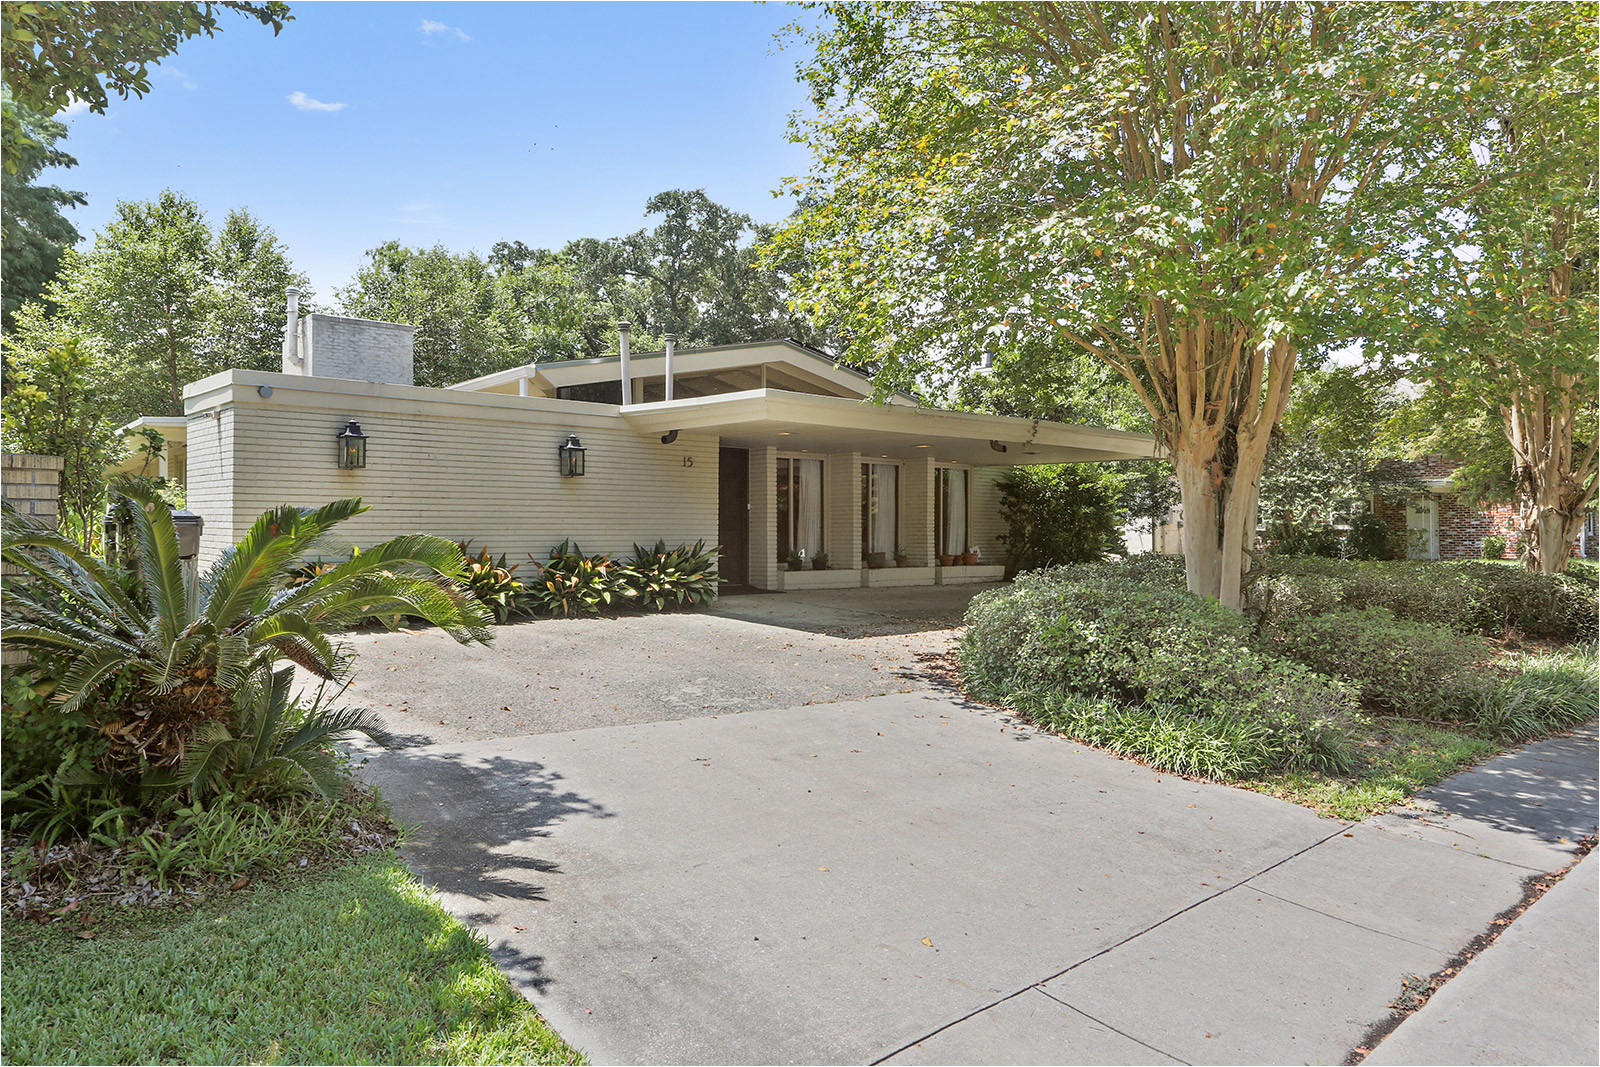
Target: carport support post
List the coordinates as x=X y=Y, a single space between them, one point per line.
x=764 y=562
x=844 y=511
x=916 y=511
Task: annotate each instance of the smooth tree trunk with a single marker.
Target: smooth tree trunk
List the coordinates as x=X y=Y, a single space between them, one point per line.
x=1555 y=485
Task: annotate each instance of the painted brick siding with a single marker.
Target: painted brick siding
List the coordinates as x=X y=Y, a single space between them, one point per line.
x=984 y=524
x=363 y=350
x=33 y=486
x=468 y=476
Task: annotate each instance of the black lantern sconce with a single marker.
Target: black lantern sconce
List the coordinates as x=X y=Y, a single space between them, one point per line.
x=352 y=447
x=572 y=457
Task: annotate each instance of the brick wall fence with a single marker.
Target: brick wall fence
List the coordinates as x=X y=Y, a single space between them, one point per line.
x=33 y=485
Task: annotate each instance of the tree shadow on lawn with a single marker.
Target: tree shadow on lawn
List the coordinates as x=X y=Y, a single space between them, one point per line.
x=477 y=824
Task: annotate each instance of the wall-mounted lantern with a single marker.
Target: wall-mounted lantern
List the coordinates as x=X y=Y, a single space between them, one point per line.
x=352 y=447
x=572 y=457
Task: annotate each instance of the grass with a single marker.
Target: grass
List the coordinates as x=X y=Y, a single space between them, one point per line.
x=1396 y=759
x=357 y=965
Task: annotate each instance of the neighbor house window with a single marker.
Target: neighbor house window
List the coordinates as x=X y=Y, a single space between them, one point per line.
x=880 y=508
x=950 y=511
x=799 y=507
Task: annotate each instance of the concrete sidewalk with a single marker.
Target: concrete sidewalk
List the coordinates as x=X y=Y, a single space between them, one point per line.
x=1528 y=998
x=913 y=879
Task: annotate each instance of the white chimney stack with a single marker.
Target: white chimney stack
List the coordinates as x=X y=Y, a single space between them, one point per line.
x=623 y=328
x=672 y=342
x=292 y=360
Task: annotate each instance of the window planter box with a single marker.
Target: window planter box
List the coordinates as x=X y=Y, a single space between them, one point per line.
x=898 y=576
x=794 y=581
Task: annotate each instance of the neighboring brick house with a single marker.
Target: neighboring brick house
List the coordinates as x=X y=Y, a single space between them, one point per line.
x=1440 y=524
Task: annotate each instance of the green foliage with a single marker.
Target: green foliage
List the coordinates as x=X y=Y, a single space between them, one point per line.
x=153 y=664
x=269 y=747
x=1410 y=667
x=665 y=578
x=366 y=966
x=34 y=233
x=1470 y=597
x=162 y=299
x=1065 y=513
x=40 y=747
x=55 y=407
x=1369 y=537
x=1494 y=547
x=1165 y=654
x=1584 y=571
x=571 y=583
x=1545 y=692
x=493 y=582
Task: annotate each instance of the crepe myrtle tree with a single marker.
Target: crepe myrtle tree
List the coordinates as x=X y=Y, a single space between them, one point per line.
x=1498 y=306
x=1194 y=193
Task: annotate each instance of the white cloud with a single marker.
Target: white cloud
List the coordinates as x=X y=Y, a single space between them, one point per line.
x=305 y=103
x=74 y=107
x=419 y=213
x=174 y=74
x=429 y=27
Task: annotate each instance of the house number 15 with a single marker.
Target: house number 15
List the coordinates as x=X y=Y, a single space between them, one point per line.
x=688 y=461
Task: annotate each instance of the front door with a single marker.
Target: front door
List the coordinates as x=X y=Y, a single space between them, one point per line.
x=1422 y=528
x=733 y=515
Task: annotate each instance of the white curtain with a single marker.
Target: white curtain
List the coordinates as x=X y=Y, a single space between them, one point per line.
x=885 y=535
x=955 y=512
x=808 y=500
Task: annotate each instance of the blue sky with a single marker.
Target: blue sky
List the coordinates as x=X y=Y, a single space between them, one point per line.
x=454 y=123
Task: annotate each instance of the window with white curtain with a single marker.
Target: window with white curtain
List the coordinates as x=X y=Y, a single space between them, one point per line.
x=799 y=507
x=880 y=508
x=950 y=507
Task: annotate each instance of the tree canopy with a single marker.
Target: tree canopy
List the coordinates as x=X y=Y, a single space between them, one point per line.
x=56 y=51
x=35 y=231
x=1196 y=194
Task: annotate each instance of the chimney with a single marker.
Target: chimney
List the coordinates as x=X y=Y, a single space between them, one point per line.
x=623 y=328
x=672 y=341
x=293 y=361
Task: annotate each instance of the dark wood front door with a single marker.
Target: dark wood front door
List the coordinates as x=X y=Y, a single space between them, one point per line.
x=733 y=515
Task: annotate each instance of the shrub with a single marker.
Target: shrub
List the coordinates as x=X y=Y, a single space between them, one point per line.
x=1583 y=571
x=492 y=582
x=571 y=583
x=1158 y=653
x=1369 y=538
x=150 y=666
x=1289 y=539
x=1545 y=692
x=665 y=578
x=1494 y=547
x=1058 y=514
x=1471 y=597
x=1412 y=667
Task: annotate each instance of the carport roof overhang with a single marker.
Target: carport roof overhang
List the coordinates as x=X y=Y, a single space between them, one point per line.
x=802 y=422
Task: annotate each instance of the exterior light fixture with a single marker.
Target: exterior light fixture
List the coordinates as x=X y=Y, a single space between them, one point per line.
x=572 y=457
x=352 y=447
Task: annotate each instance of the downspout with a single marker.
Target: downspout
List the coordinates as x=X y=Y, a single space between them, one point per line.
x=623 y=329
x=672 y=341
x=291 y=348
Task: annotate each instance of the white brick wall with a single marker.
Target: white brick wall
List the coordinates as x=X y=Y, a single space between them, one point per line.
x=363 y=350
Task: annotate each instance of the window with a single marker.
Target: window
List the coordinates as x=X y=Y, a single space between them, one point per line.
x=950 y=511
x=880 y=508
x=609 y=392
x=799 y=507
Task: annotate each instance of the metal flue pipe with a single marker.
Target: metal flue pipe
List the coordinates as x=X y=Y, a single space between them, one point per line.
x=672 y=342
x=291 y=324
x=624 y=327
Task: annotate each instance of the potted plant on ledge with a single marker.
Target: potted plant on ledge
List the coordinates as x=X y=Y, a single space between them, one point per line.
x=819 y=562
x=969 y=558
x=948 y=561
x=900 y=557
x=796 y=560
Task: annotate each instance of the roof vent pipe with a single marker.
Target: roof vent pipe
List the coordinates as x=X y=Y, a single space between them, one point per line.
x=291 y=323
x=623 y=328
x=672 y=342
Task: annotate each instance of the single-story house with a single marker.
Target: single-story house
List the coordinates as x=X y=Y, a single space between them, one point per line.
x=769 y=449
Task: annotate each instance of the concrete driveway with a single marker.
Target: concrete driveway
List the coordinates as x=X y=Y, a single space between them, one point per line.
x=908 y=878
x=746 y=653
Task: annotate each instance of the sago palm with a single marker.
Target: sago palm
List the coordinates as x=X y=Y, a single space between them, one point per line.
x=160 y=661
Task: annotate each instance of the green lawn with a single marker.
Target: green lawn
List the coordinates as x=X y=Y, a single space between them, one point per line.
x=1396 y=758
x=357 y=965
